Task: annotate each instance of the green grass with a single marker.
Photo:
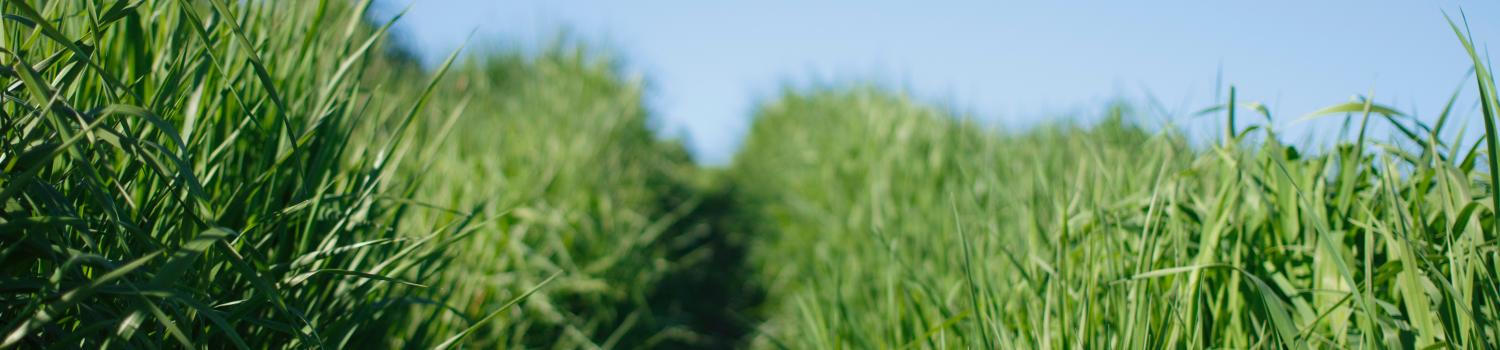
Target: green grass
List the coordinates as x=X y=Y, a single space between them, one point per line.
x=242 y=174
x=554 y=152
x=184 y=174
x=230 y=174
x=909 y=228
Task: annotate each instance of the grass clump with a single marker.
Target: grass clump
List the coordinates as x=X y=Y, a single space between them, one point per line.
x=553 y=156
x=182 y=173
x=908 y=228
x=264 y=175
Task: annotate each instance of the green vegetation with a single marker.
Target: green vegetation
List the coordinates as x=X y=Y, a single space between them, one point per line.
x=228 y=174
x=912 y=229
x=554 y=154
x=185 y=173
x=907 y=213
x=251 y=174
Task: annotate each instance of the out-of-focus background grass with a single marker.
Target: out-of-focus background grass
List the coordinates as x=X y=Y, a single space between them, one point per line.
x=1005 y=63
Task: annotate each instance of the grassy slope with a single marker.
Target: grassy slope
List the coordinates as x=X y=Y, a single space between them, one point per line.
x=909 y=228
x=553 y=153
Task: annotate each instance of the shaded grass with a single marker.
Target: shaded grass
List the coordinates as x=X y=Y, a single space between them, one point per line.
x=555 y=153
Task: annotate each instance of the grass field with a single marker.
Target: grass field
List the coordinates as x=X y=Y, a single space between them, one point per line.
x=229 y=174
x=915 y=229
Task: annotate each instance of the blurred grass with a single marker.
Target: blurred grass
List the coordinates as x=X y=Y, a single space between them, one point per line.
x=910 y=228
x=259 y=175
x=556 y=150
x=872 y=210
x=220 y=174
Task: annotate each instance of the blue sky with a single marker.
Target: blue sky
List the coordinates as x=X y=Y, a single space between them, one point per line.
x=1015 y=63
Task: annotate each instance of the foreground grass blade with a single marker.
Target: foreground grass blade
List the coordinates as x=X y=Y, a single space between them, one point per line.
x=453 y=341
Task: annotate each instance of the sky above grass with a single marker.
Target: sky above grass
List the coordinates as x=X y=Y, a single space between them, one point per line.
x=1014 y=63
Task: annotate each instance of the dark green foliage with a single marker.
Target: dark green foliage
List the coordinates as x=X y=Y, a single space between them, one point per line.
x=183 y=173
